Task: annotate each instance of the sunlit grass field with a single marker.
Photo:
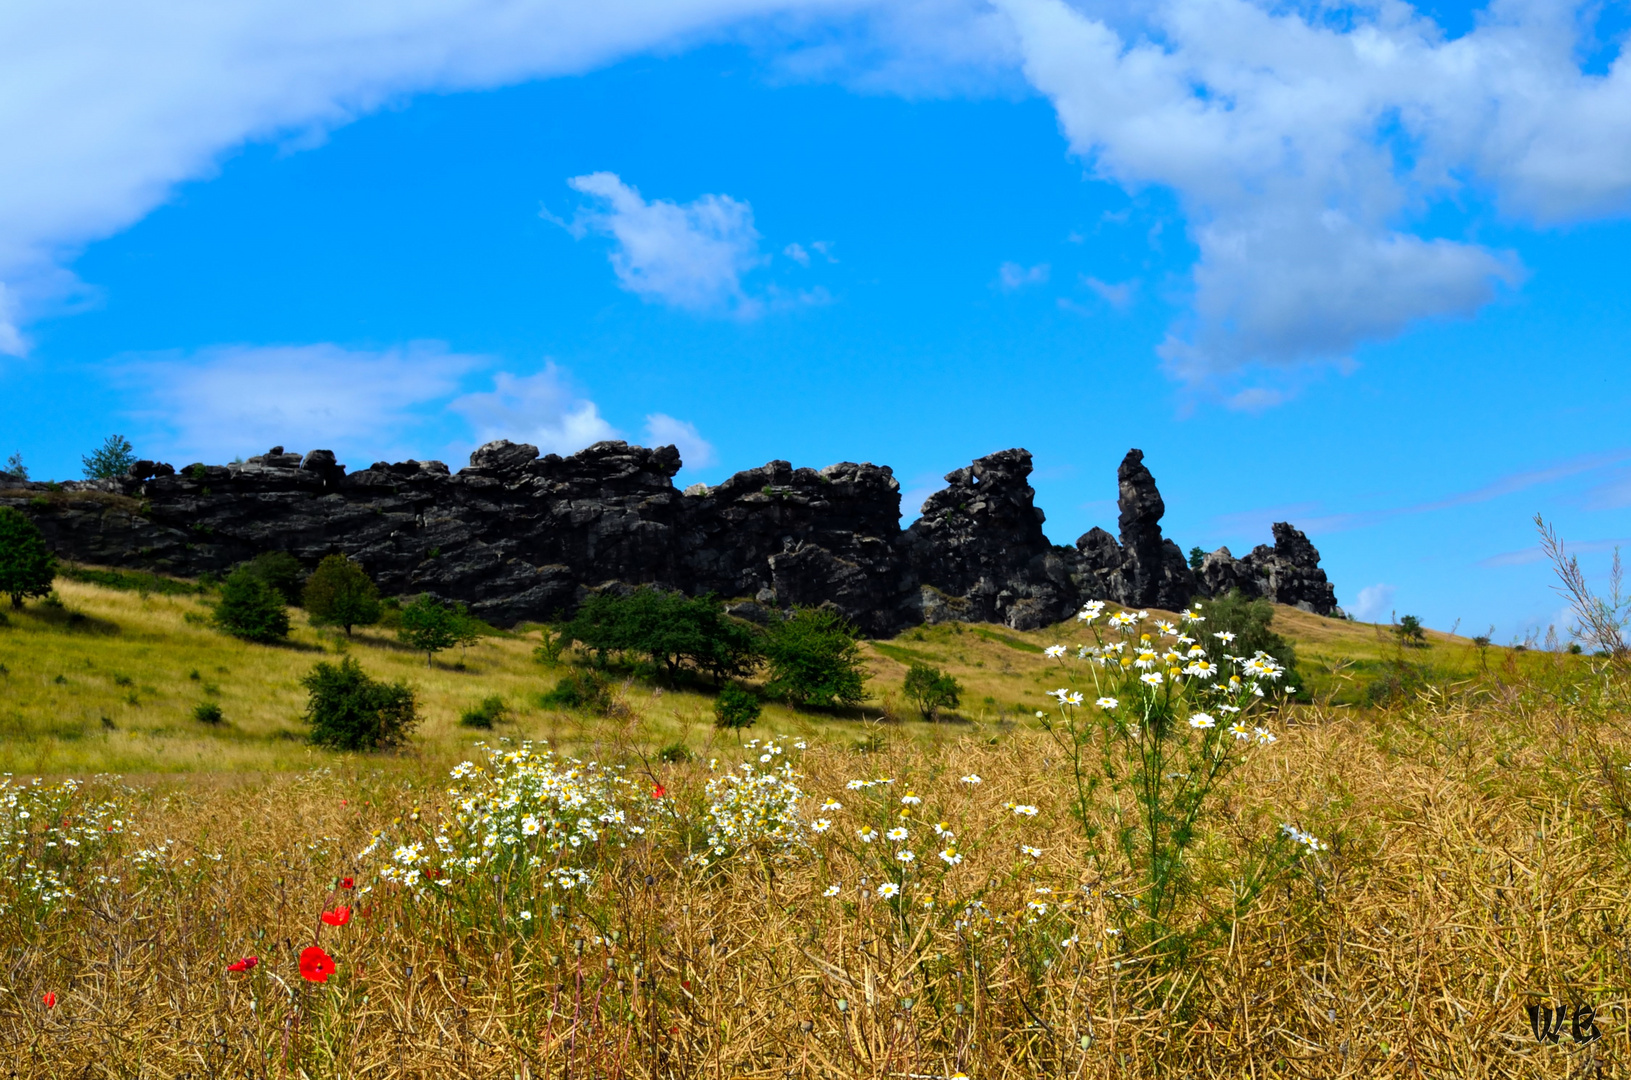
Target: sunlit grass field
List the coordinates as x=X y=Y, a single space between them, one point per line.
x=1474 y=835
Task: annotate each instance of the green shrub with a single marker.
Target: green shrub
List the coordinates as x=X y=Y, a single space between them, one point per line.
x=207 y=712
x=348 y=710
x=27 y=566
x=430 y=626
x=113 y=458
x=675 y=753
x=814 y=659
x=589 y=690
x=489 y=711
x=736 y=707
x=668 y=628
x=280 y=570
x=1410 y=632
x=553 y=646
x=931 y=690
x=340 y=593
x=251 y=609
x=1248 y=620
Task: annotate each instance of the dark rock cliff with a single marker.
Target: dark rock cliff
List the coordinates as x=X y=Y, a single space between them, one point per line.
x=521 y=536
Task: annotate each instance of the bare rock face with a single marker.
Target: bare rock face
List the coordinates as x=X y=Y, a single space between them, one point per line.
x=518 y=535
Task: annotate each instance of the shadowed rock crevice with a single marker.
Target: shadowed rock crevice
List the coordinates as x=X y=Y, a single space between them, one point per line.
x=519 y=535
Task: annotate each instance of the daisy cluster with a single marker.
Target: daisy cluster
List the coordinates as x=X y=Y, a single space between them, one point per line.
x=526 y=806
x=756 y=805
x=51 y=838
x=1308 y=841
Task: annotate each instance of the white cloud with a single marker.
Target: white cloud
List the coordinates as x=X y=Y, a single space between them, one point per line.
x=242 y=399
x=1012 y=276
x=1117 y=296
x=1303 y=149
x=1375 y=603
x=695 y=451
x=691 y=256
x=539 y=409
x=797 y=253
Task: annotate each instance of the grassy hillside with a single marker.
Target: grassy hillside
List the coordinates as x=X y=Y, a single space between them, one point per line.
x=108 y=681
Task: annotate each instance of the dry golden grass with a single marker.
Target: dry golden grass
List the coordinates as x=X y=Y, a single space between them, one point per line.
x=1477 y=865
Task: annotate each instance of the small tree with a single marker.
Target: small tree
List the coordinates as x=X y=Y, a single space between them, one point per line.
x=348 y=710
x=429 y=626
x=735 y=708
x=340 y=593
x=251 y=609
x=931 y=690
x=1410 y=632
x=15 y=466
x=27 y=566
x=280 y=570
x=669 y=628
x=814 y=659
x=113 y=458
x=1196 y=557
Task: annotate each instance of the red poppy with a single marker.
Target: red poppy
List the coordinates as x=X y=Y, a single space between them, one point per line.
x=338 y=917
x=243 y=965
x=347 y=883
x=658 y=792
x=50 y=999
x=315 y=964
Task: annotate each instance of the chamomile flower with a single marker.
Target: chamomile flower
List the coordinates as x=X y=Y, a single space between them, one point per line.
x=820 y=825
x=972 y=779
x=1054 y=652
x=1240 y=731
x=1224 y=636
x=888 y=890
x=905 y=855
x=1202 y=721
x=1107 y=703
x=1264 y=736
x=941 y=828
x=833 y=890
x=1025 y=810
x=1033 y=852
x=867 y=834
x=1145 y=659
x=951 y=856
x=911 y=799
x=832 y=804
x=1151 y=678
x=898 y=833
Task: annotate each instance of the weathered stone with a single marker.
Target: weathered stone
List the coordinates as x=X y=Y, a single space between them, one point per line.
x=523 y=536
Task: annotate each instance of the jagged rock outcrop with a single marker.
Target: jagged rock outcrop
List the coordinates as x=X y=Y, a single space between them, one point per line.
x=519 y=535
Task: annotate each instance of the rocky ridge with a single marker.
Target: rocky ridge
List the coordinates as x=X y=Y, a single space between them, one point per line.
x=518 y=535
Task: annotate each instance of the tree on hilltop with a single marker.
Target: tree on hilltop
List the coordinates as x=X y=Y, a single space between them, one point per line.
x=27 y=566
x=113 y=458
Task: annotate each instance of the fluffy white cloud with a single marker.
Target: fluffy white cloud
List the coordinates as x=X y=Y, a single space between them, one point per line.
x=539 y=409
x=695 y=451
x=1375 y=603
x=242 y=399
x=1304 y=148
x=691 y=256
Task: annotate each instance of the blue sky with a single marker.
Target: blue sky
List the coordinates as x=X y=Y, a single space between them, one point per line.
x=1379 y=298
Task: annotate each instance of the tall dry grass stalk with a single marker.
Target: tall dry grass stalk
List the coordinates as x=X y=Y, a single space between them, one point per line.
x=1477 y=865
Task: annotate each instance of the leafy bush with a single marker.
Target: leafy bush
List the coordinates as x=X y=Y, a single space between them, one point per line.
x=1196 y=557
x=735 y=708
x=430 y=626
x=207 y=712
x=1245 y=621
x=490 y=711
x=675 y=753
x=670 y=629
x=554 y=644
x=348 y=710
x=580 y=690
x=251 y=609
x=280 y=570
x=113 y=458
x=27 y=566
x=931 y=690
x=340 y=593
x=814 y=659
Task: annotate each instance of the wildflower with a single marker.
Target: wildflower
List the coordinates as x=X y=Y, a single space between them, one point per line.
x=658 y=791
x=1075 y=698
x=1240 y=731
x=1040 y=715
x=972 y=778
x=951 y=856
x=1202 y=669
x=820 y=825
x=897 y=833
x=1165 y=627
x=1201 y=721
x=526 y=916
x=888 y=890
x=1037 y=906
x=832 y=890
x=856 y=785
x=315 y=964
x=1062 y=693
x=1224 y=636
x=1229 y=708
x=1145 y=659
x=1033 y=852
x=1091 y=610
x=529 y=826
x=1107 y=703
x=911 y=799
x=942 y=829
x=338 y=917
x=243 y=965
x=1264 y=736
x=347 y=883
x=49 y=998
x=1054 y=652
x=905 y=856
x=1150 y=678
x=1026 y=811
x=867 y=834
x=832 y=804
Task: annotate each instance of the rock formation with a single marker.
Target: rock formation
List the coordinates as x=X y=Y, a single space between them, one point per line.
x=521 y=536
